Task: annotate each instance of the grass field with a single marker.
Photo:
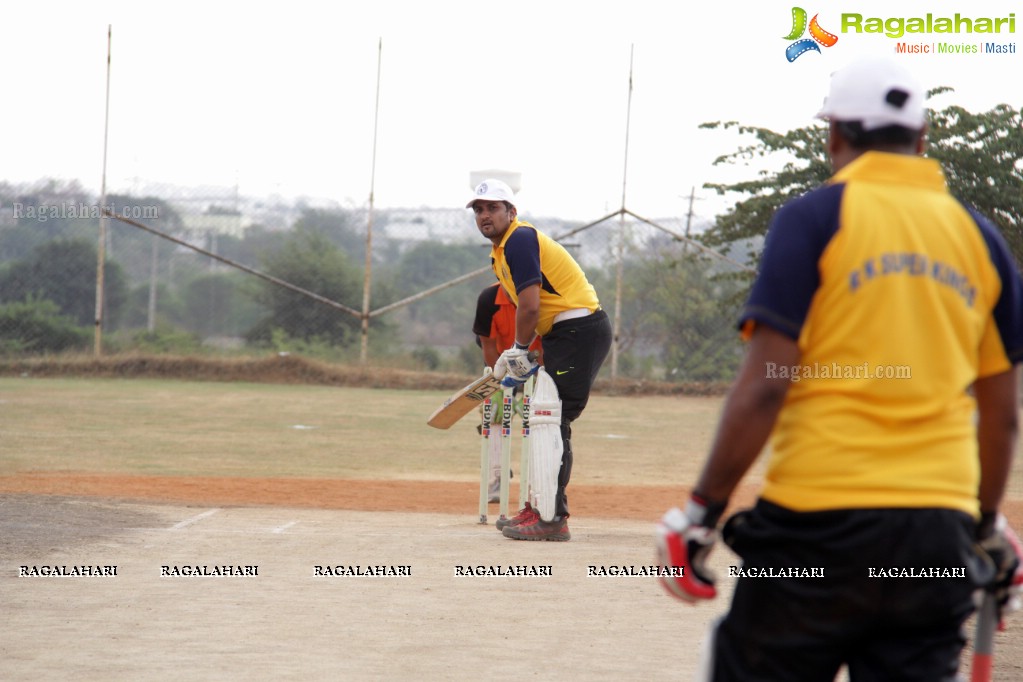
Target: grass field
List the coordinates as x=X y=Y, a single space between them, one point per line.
x=162 y=427
x=237 y=429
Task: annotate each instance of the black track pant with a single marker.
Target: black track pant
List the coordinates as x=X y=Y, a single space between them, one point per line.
x=573 y=352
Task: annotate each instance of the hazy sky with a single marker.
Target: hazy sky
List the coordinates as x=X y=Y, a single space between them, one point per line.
x=280 y=97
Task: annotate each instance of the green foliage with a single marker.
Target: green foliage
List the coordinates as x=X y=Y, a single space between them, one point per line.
x=427 y=358
x=805 y=165
x=634 y=366
x=470 y=358
x=258 y=240
x=58 y=209
x=337 y=227
x=319 y=348
x=677 y=313
x=169 y=310
x=37 y=326
x=134 y=249
x=310 y=261
x=217 y=304
x=678 y=308
x=64 y=271
x=427 y=264
x=164 y=339
x=982 y=155
x=980 y=152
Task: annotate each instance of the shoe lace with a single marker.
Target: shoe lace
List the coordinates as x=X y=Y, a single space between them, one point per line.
x=526 y=513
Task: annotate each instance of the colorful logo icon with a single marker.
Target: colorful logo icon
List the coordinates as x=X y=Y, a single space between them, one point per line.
x=817 y=35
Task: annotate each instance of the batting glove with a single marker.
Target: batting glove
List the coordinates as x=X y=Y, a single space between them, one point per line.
x=685 y=539
x=1001 y=544
x=515 y=366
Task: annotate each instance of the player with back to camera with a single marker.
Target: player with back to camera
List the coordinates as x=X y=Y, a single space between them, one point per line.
x=880 y=268
x=555 y=301
x=494 y=327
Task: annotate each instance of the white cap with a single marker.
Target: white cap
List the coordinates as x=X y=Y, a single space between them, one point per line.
x=877 y=93
x=492 y=190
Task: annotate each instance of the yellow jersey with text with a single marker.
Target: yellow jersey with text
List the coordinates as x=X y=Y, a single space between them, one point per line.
x=526 y=257
x=898 y=297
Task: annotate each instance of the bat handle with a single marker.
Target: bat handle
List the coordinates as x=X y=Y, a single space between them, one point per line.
x=984 y=640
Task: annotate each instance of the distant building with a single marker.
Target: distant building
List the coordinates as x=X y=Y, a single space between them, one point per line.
x=216 y=221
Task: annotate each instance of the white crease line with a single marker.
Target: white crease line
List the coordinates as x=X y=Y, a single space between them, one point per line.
x=281 y=529
x=194 y=519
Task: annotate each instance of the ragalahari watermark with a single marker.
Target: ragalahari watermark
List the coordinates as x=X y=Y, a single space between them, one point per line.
x=836 y=370
x=71 y=210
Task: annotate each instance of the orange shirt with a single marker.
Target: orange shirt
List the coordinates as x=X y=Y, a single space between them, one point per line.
x=495 y=318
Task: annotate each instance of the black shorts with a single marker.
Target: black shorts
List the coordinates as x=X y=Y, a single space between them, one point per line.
x=888 y=598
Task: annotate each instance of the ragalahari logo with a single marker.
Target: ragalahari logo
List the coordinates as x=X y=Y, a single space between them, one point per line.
x=817 y=35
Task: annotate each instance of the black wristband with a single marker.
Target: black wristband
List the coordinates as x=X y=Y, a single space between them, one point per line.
x=986 y=525
x=519 y=346
x=714 y=509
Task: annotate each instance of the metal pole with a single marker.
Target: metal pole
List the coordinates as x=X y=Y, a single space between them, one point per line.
x=101 y=250
x=235 y=264
x=153 y=255
x=688 y=222
x=619 y=274
x=367 y=279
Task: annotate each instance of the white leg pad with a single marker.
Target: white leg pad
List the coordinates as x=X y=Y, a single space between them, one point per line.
x=546 y=446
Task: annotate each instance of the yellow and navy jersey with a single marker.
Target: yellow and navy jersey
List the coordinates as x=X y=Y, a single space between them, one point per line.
x=898 y=297
x=526 y=257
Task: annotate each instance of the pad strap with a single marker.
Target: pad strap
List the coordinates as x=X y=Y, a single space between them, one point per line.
x=544 y=412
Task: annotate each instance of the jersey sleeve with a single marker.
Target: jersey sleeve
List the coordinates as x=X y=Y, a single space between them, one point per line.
x=486 y=308
x=522 y=253
x=789 y=277
x=1007 y=315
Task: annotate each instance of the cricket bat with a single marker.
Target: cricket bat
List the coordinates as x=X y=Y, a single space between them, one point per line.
x=462 y=402
x=988 y=617
x=984 y=640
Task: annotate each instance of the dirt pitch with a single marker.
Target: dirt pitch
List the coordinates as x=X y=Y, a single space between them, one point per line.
x=288 y=623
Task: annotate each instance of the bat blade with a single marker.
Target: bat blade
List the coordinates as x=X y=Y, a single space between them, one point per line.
x=463 y=401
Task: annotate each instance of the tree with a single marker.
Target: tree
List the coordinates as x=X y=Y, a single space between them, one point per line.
x=678 y=311
x=215 y=305
x=133 y=248
x=33 y=326
x=445 y=317
x=309 y=260
x=336 y=226
x=64 y=271
x=170 y=310
x=982 y=155
x=247 y=249
x=51 y=210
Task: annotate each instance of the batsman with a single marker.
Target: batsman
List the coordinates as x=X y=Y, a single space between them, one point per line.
x=555 y=301
x=494 y=327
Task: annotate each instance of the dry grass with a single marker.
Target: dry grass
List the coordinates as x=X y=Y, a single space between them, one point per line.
x=292 y=369
x=216 y=428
